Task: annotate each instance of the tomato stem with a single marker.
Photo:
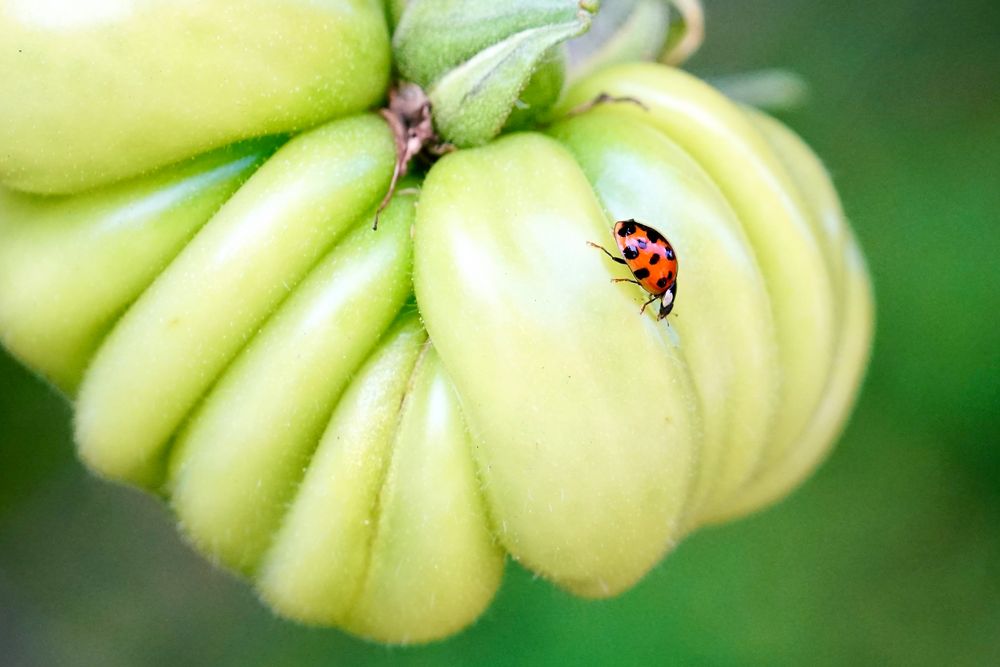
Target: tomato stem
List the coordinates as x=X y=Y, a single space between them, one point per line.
x=409 y=118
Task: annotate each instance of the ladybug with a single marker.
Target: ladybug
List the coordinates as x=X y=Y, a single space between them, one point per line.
x=651 y=259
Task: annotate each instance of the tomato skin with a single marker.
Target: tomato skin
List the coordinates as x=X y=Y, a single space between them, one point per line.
x=365 y=422
x=107 y=91
x=723 y=317
x=555 y=327
x=64 y=246
x=776 y=215
x=243 y=263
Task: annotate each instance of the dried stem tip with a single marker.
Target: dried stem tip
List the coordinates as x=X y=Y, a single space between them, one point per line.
x=409 y=116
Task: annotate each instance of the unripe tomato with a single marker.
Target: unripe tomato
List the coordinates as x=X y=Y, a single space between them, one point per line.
x=365 y=422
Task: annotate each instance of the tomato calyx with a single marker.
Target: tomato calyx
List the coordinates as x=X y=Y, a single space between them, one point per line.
x=411 y=121
x=409 y=118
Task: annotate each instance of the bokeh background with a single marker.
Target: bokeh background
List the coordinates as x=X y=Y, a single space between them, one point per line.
x=890 y=555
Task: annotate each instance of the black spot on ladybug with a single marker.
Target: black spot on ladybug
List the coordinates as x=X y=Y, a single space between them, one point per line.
x=670 y=274
x=642 y=243
x=654 y=236
x=670 y=253
x=630 y=252
x=661 y=283
x=641 y=273
x=655 y=259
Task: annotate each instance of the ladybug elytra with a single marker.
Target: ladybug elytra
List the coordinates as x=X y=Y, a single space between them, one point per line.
x=651 y=259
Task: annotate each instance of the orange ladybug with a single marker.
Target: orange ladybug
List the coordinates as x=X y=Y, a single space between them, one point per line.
x=651 y=259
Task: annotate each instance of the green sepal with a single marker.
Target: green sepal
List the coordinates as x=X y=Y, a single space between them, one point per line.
x=624 y=32
x=541 y=92
x=686 y=33
x=472 y=102
x=483 y=62
x=436 y=36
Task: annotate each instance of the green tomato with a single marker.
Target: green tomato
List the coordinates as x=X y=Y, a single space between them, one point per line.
x=365 y=422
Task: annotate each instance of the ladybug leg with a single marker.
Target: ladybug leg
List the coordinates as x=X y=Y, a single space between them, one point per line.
x=651 y=300
x=605 y=251
x=626 y=280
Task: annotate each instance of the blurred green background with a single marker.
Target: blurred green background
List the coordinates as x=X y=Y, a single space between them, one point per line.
x=890 y=555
